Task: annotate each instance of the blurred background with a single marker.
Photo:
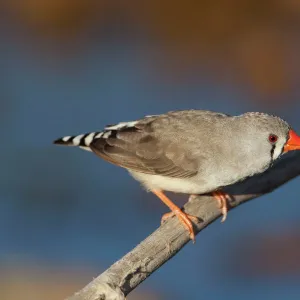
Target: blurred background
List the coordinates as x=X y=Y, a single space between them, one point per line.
x=70 y=67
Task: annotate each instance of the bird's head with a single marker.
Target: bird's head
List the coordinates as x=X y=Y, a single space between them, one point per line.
x=272 y=134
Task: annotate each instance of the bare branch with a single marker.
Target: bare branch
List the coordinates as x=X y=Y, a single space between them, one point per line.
x=127 y=273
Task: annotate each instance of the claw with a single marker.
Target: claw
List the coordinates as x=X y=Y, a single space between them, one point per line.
x=184 y=218
x=222 y=199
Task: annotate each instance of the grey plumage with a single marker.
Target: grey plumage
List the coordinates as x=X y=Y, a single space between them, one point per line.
x=191 y=151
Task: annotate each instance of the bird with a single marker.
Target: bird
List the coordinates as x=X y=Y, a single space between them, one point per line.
x=192 y=152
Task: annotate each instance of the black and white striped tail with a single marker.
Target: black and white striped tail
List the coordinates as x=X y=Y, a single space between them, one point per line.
x=83 y=140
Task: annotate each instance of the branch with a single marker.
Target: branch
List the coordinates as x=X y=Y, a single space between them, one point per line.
x=132 y=269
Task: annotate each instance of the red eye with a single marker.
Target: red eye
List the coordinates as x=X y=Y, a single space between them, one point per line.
x=273 y=138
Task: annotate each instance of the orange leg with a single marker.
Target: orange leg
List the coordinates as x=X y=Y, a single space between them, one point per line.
x=184 y=218
x=223 y=202
x=171 y=214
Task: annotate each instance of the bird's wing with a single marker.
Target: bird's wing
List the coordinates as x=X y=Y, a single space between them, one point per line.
x=155 y=145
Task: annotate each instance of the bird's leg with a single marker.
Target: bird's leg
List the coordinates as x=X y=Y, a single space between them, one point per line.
x=184 y=218
x=172 y=213
x=222 y=199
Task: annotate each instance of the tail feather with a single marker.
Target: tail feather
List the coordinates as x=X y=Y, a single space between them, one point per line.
x=83 y=140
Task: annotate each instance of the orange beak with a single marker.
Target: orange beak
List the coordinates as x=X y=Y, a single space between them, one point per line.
x=293 y=143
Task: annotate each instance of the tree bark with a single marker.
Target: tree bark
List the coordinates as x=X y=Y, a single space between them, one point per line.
x=132 y=269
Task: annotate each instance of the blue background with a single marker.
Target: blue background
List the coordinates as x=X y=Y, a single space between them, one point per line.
x=62 y=208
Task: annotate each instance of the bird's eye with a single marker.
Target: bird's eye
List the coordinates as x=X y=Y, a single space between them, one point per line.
x=273 y=138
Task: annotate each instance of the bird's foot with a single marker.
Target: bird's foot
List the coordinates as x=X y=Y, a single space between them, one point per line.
x=184 y=218
x=172 y=213
x=222 y=199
